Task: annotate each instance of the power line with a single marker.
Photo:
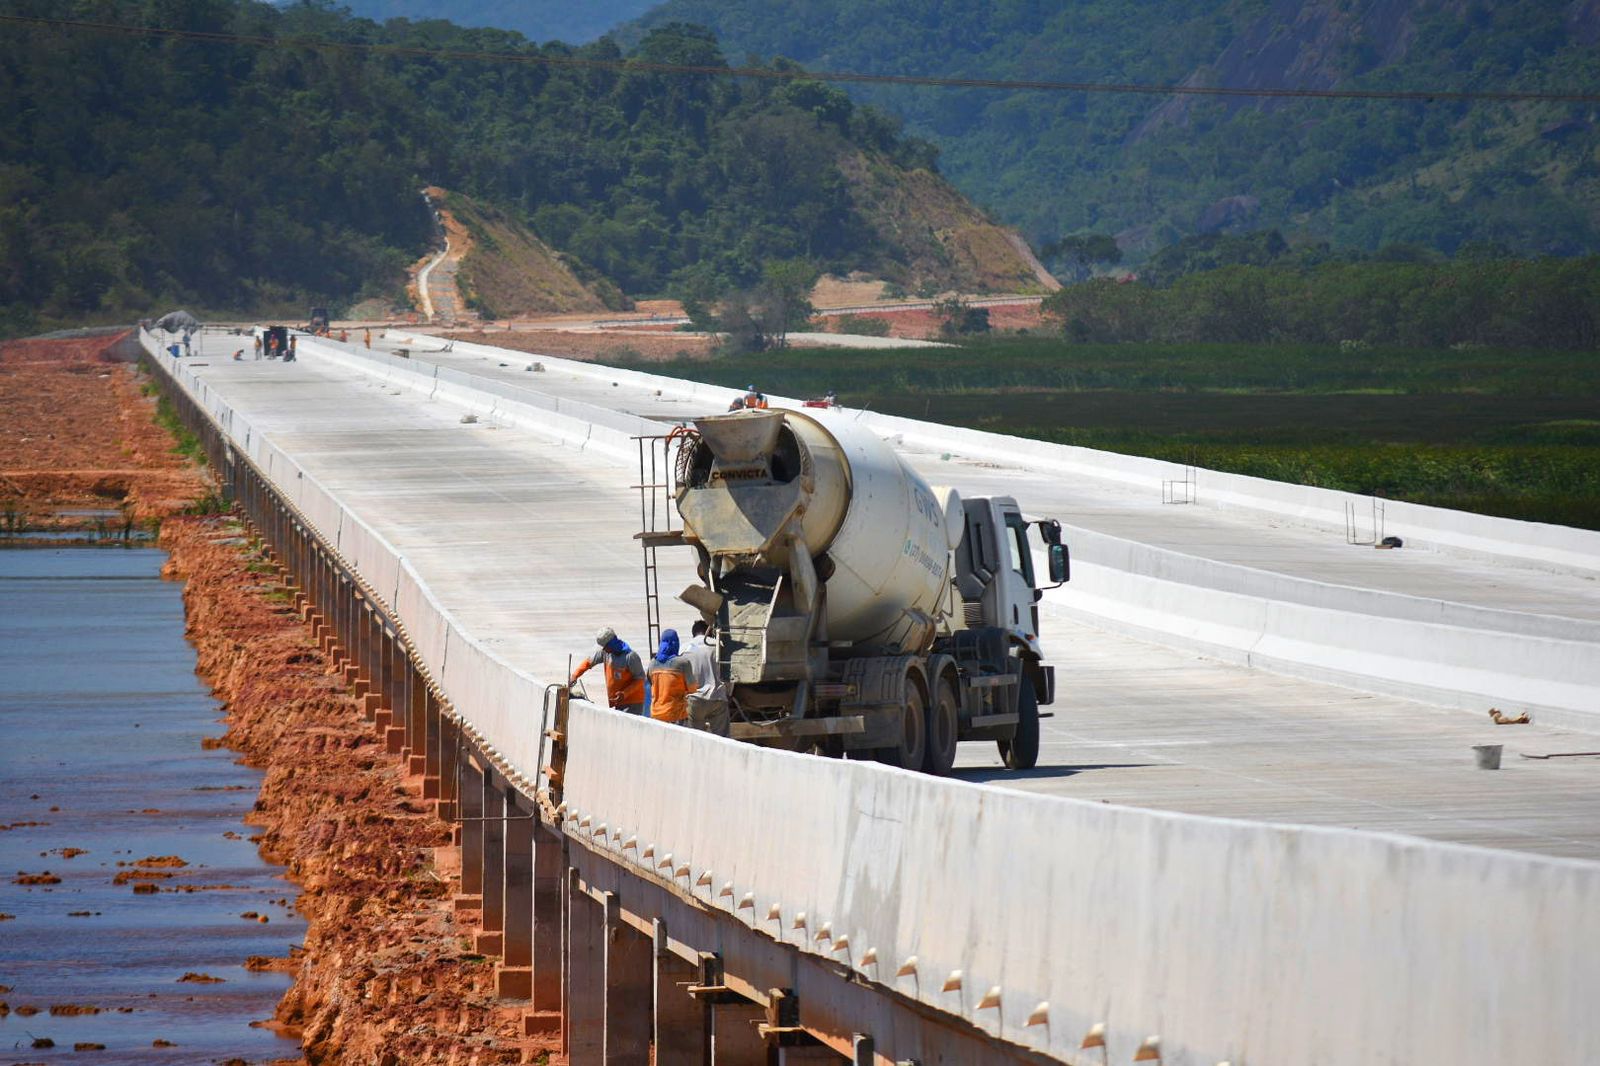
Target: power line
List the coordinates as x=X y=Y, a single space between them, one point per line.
x=635 y=66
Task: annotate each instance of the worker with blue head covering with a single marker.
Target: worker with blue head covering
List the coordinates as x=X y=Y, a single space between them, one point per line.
x=671 y=681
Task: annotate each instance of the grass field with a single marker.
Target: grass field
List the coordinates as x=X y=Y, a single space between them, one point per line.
x=1513 y=433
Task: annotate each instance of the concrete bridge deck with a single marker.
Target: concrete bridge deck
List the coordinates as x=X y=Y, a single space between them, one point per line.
x=488 y=514
x=1230 y=536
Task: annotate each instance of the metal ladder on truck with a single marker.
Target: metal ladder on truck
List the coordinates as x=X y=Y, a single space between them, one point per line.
x=658 y=525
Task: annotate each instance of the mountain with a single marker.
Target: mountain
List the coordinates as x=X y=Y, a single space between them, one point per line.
x=537 y=20
x=1359 y=174
x=138 y=173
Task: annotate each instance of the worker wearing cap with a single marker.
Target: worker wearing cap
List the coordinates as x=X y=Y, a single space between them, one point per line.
x=624 y=672
x=671 y=680
x=708 y=704
x=753 y=399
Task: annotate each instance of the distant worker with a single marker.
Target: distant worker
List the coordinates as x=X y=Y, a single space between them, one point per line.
x=708 y=704
x=238 y=356
x=753 y=398
x=258 y=347
x=737 y=404
x=366 y=338
x=671 y=678
x=624 y=672
x=292 y=353
x=272 y=346
x=831 y=398
x=344 y=336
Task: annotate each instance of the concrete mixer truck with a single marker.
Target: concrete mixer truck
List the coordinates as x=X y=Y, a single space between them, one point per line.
x=857 y=610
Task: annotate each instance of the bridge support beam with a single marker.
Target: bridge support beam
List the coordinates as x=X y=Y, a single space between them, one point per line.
x=682 y=1022
x=433 y=753
x=450 y=759
x=491 y=938
x=584 y=994
x=471 y=807
x=630 y=974
x=549 y=869
x=514 y=979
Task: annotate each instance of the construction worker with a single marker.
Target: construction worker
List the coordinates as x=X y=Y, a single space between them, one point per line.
x=344 y=336
x=258 y=347
x=754 y=399
x=366 y=338
x=671 y=678
x=624 y=672
x=708 y=704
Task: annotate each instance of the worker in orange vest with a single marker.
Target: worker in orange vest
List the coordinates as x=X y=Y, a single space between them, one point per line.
x=624 y=672
x=671 y=681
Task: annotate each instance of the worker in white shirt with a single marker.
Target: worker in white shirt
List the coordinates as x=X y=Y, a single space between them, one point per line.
x=708 y=704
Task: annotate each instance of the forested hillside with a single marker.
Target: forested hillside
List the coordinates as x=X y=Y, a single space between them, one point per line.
x=1357 y=173
x=537 y=20
x=138 y=173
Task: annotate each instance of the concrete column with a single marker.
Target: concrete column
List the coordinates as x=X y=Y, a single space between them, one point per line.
x=630 y=975
x=682 y=1022
x=491 y=940
x=416 y=694
x=449 y=760
x=584 y=994
x=471 y=808
x=549 y=866
x=432 y=754
x=514 y=979
x=735 y=1040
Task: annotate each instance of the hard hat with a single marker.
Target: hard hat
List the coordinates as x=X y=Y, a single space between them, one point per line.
x=605 y=636
x=747 y=388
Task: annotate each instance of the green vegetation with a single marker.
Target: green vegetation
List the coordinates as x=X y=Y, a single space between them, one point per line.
x=184 y=443
x=1150 y=171
x=1511 y=432
x=1545 y=303
x=139 y=173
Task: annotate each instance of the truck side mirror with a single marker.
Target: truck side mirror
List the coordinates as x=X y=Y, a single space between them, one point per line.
x=1060 y=564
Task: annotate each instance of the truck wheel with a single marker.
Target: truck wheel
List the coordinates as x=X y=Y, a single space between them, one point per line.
x=1021 y=752
x=944 y=725
x=913 y=746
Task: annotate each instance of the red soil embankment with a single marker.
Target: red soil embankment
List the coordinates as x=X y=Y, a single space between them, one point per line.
x=386 y=975
x=76 y=433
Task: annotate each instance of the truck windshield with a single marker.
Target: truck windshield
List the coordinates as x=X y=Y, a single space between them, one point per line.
x=1021 y=554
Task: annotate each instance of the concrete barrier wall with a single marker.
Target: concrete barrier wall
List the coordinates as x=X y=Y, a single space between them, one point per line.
x=1537 y=544
x=1235 y=941
x=1452 y=654
x=1452 y=666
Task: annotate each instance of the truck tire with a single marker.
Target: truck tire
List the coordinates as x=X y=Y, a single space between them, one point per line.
x=1021 y=752
x=944 y=727
x=913 y=747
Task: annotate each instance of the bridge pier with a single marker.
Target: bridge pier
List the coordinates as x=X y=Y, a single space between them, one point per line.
x=514 y=977
x=682 y=1021
x=549 y=870
x=491 y=935
x=629 y=977
x=584 y=991
x=470 y=805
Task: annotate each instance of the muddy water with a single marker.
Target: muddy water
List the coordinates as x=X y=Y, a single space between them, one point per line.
x=101 y=727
